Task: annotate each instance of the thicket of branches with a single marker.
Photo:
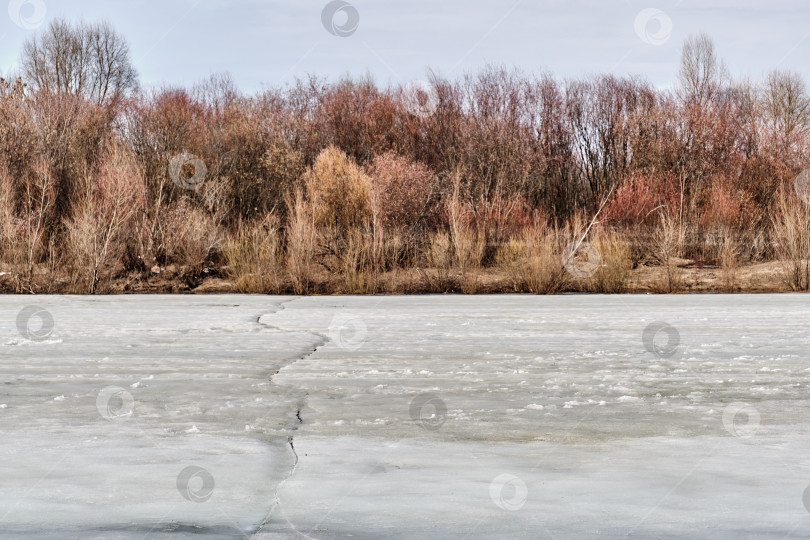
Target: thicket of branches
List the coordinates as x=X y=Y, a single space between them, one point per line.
x=336 y=185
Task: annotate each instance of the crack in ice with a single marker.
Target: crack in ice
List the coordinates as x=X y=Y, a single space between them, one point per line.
x=322 y=340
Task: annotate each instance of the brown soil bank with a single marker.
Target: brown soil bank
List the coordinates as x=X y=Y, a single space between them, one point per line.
x=684 y=276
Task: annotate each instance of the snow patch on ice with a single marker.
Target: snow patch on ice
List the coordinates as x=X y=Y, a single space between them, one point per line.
x=30 y=343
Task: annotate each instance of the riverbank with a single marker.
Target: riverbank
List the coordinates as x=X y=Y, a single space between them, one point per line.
x=685 y=276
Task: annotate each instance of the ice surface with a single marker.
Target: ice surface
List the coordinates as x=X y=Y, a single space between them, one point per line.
x=405 y=417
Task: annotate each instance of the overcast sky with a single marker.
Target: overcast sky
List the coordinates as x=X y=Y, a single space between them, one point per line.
x=270 y=42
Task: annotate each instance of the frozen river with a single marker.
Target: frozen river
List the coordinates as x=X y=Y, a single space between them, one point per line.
x=406 y=417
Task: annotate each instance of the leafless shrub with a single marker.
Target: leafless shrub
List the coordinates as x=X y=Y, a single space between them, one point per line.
x=10 y=225
x=38 y=200
x=97 y=233
x=302 y=243
x=355 y=267
x=399 y=197
x=729 y=262
x=668 y=241
x=439 y=263
x=533 y=261
x=253 y=253
x=338 y=192
x=400 y=190
x=255 y=163
x=469 y=242
x=791 y=229
x=189 y=237
x=613 y=273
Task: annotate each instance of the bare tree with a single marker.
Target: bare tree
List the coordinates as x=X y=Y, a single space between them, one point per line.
x=787 y=104
x=702 y=73
x=90 y=60
x=746 y=113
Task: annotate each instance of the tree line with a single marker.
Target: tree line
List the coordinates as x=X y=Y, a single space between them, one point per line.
x=95 y=169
